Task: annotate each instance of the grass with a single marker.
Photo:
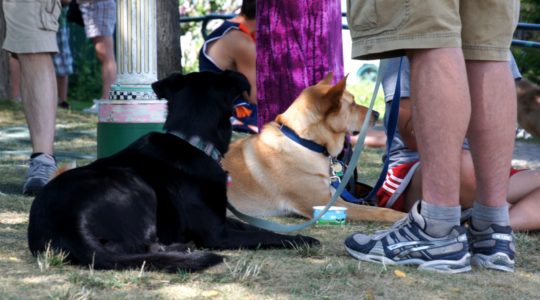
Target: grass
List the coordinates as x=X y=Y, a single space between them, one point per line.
x=300 y=273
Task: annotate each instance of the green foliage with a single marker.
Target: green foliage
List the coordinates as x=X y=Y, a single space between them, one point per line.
x=85 y=82
x=192 y=38
x=530 y=11
x=528 y=59
x=362 y=91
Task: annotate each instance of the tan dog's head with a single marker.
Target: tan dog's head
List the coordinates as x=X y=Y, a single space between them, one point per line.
x=324 y=113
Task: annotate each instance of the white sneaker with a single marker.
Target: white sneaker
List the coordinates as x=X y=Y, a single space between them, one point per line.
x=94 y=109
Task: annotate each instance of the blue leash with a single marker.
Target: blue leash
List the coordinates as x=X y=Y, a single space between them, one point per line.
x=284 y=228
x=390 y=131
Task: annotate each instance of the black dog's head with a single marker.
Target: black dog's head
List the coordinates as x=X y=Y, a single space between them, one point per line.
x=201 y=104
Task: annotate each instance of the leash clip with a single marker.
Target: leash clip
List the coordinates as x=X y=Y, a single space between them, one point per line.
x=335 y=178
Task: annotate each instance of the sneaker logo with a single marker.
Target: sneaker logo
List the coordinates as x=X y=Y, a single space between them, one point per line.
x=462 y=238
x=502 y=237
x=408 y=245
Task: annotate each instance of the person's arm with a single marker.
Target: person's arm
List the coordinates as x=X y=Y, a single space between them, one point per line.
x=405 y=125
x=244 y=55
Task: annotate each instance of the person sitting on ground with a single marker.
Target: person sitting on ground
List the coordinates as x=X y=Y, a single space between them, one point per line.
x=403 y=183
x=232 y=47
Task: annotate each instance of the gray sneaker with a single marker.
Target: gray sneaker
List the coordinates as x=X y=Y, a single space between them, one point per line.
x=407 y=243
x=41 y=169
x=492 y=248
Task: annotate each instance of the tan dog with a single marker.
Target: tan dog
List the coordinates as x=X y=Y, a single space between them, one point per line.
x=528 y=95
x=273 y=175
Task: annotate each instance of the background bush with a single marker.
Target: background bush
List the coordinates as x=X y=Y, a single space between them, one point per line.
x=528 y=59
x=85 y=82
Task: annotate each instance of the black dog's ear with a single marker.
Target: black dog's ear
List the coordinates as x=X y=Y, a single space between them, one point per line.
x=238 y=81
x=163 y=87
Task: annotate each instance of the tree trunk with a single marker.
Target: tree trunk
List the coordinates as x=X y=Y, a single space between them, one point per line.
x=4 y=59
x=169 y=55
x=298 y=43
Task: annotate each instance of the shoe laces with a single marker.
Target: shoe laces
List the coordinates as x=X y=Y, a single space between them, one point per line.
x=379 y=234
x=41 y=169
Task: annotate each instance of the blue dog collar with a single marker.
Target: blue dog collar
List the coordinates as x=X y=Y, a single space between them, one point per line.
x=311 y=145
x=198 y=143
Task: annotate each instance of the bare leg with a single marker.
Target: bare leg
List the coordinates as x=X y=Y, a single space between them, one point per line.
x=105 y=53
x=441 y=115
x=524 y=196
x=39 y=96
x=14 y=79
x=524 y=215
x=62 y=88
x=467 y=184
x=492 y=129
x=374 y=139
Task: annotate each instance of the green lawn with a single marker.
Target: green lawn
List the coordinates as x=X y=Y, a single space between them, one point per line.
x=305 y=273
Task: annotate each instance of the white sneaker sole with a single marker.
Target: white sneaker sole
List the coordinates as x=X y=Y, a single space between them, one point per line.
x=442 y=266
x=498 y=261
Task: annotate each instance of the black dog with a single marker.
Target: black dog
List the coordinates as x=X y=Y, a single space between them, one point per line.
x=162 y=193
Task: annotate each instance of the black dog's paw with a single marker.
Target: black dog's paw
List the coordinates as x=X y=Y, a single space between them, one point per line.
x=308 y=240
x=179 y=247
x=300 y=241
x=200 y=260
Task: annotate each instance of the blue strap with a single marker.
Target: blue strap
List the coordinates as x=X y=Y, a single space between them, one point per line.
x=346 y=195
x=390 y=131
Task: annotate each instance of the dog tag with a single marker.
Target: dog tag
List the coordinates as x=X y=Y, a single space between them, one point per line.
x=337 y=169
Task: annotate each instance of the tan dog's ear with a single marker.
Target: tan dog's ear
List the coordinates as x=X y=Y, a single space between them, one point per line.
x=335 y=93
x=327 y=79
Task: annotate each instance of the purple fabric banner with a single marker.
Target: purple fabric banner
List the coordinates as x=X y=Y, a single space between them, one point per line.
x=298 y=43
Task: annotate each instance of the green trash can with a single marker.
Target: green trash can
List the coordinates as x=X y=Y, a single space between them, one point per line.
x=121 y=122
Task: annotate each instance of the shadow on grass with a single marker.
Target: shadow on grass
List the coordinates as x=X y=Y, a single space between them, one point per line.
x=10 y=188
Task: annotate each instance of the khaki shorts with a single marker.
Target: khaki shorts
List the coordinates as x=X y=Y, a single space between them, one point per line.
x=385 y=28
x=31 y=25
